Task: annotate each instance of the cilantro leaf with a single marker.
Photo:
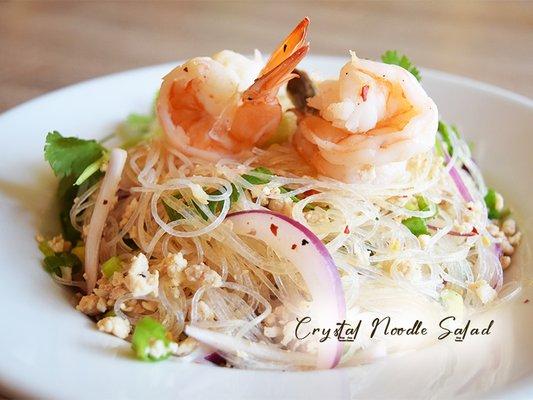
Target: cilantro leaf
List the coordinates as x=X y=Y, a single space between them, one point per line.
x=283 y=189
x=76 y=162
x=173 y=215
x=69 y=155
x=136 y=128
x=66 y=194
x=53 y=263
x=199 y=210
x=234 y=197
x=392 y=57
x=214 y=206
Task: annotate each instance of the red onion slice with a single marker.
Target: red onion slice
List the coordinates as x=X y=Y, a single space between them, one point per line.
x=104 y=201
x=461 y=186
x=452 y=233
x=305 y=250
x=215 y=358
x=498 y=251
x=230 y=344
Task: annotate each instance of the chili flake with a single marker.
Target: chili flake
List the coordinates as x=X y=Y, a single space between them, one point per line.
x=307 y=193
x=364 y=92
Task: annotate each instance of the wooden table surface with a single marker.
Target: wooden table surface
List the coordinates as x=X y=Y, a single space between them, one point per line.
x=47 y=45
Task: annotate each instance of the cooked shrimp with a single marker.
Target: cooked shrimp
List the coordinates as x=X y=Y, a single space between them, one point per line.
x=367 y=123
x=206 y=111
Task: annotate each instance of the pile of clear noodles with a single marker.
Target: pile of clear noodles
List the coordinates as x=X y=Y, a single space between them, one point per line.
x=383 y=267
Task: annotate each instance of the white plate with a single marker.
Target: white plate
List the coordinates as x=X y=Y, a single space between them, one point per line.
x=49 y=350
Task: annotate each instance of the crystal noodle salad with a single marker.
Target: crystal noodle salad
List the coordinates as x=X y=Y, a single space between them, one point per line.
x=255 y=194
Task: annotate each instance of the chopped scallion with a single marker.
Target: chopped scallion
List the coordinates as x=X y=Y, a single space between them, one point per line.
x=146 y=334
x=416 y=225
x=111 y=266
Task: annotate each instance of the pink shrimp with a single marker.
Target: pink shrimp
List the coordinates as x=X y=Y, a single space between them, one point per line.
x=205 y=113
x=367 y=124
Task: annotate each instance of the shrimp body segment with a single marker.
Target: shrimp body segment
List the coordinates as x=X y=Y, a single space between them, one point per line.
x=370 y=122
x=213 y=107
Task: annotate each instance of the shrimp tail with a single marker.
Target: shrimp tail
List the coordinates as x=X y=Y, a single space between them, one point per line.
x=281 y=64
x=259 y=113
x=294 y=41
x=267 y=85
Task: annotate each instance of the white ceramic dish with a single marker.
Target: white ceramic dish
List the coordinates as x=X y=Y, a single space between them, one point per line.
x=51 y=351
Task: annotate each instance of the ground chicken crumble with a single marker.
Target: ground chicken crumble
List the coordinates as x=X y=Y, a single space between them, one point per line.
x=140 y=277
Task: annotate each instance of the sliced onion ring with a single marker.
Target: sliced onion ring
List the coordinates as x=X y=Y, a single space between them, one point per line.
x=104 y=201
x=305 y=250
x=459 y=183
x=230 y=344
x=215 y=358
x=452 y=233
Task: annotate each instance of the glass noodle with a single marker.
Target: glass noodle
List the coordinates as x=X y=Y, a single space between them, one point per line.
x=382 y=265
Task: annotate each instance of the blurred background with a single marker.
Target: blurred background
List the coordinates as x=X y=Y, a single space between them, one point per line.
x=46 y=45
